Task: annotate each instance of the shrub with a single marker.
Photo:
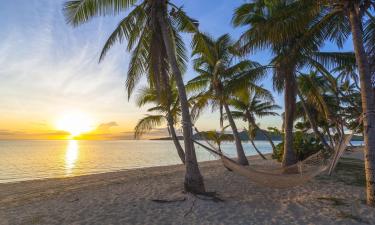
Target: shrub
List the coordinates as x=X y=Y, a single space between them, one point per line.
x=304 y=145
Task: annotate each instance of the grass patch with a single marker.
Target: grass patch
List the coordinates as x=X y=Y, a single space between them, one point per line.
x=345 y=215
x=35 y=220
x=349 y=172
x=335 y=201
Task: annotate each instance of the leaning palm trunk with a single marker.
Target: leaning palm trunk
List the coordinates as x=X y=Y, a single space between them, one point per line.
x=240 y=152
x=331 y=140
x=368 y=106
x=252 y=122
x=176 y=142
x=256 y=149
x=289 y=157
x=193 y=178
x=318 y=134
x=268 y=138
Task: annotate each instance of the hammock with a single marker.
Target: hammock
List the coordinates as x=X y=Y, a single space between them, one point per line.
x=269 y=173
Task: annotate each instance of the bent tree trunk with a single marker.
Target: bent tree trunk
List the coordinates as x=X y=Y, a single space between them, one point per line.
x=240 y=152
x=252 y=122
x=256 y=149
x=176 y=142
x=193 y=178
x=368 y=106
x=318 y=134
x=289 y=156
x=268 y=138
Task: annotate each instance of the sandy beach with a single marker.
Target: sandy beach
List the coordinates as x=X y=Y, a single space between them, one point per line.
x=128 y=197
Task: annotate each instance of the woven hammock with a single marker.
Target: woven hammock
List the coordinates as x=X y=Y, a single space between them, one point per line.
x=269 y=173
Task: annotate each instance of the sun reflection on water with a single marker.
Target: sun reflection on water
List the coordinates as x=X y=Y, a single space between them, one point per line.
x=71 y=156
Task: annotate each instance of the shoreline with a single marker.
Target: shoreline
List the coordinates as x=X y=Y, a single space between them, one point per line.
x=126 y=197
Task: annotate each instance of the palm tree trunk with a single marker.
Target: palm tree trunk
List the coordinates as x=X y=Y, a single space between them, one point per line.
x=368 y=105
x=193 y=178
x=318 y=134
x=219 y=148
x=268 y=138
x=240 y=152
x=256 y=149
x=332 y=142
x=289 y=157
x=176 y=142
x=252 y=122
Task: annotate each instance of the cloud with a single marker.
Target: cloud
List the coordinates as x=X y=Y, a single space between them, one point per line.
x=105 y=127
x=6 y=132
x=102 y=132
x=49 y=67
x=19 y=135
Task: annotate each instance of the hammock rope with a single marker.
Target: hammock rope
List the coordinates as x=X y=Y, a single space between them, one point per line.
x=270 y=173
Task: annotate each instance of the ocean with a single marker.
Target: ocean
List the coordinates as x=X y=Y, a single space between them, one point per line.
x=30 y=160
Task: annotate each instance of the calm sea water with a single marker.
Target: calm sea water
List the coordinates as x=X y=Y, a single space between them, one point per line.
x=29 y=160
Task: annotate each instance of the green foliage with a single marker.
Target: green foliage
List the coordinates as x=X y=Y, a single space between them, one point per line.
x=80 y=11
x=335 y=201
x=220 y=75
x=147 y=123
x=304 y=145
x=165 y=105
x=217 y=137
x=140 y=29
x=349 y=172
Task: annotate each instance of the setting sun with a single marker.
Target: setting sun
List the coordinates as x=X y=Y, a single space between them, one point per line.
x=75 y=123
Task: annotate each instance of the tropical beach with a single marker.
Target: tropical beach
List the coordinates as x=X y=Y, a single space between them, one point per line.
x=154 y=196
x=187 y=112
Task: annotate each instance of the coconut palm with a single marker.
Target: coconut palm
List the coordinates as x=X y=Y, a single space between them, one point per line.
x=151 y=30
x=251 y=133
x=328 y=103
x=340 y=19
x=219 y=76
x=319 y=104
x=293 y=44
x=217 y=137
x=250 y=105
x=167 y=112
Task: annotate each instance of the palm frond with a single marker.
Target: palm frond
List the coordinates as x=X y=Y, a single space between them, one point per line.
x=129 y=28
x=138 y=61
x=147 y=123
x=80 y=11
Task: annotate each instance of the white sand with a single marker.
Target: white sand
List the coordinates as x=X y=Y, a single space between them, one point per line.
x=125 y=198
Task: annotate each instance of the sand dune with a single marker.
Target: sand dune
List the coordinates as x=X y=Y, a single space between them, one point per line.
x=126 y=198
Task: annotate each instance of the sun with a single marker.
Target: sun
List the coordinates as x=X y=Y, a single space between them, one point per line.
x=75 y=123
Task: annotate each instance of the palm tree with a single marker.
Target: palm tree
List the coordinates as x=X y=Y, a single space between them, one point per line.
x=251 y=132
x=167 y=112
x=318 y=104
x=271 y=26
x=369 y=40
x=248 y=105
x=219 y=77
x=152 y=32
x=328 y=104
x=339 y=19
x=217 y=137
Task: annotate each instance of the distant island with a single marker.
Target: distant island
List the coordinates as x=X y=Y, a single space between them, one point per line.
x=244 y=137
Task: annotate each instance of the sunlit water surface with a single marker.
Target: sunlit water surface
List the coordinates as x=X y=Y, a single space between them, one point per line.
x=29 y=160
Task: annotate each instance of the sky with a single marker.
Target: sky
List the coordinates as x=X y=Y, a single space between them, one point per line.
x=49 y=72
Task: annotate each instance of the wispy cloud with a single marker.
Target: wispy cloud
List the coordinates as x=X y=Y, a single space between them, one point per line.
x=24 y=135
x=48 y=67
